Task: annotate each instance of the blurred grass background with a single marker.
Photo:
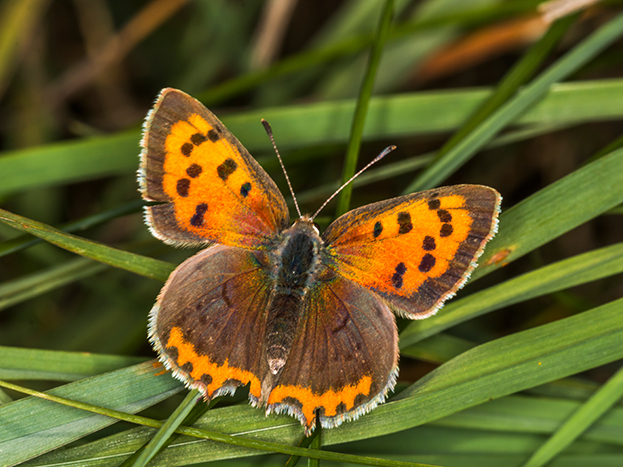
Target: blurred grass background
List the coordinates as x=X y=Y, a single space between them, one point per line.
x=76 y=80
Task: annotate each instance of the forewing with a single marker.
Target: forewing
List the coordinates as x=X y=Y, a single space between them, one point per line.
x=211 y=187
x=343 y=359
x=209 y=321
x=415 y=251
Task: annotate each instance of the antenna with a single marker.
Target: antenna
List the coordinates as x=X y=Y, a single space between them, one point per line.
x=385 y=152
x=269 y=132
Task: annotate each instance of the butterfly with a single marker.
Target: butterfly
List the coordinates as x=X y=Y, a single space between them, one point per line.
x=305 y=319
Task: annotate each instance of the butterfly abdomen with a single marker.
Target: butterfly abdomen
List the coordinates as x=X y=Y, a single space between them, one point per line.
x=297 y=261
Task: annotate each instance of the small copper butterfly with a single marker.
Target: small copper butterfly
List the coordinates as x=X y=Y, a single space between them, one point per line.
x=306 y=320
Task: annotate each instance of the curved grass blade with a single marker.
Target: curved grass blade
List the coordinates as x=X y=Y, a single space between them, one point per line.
x=31 y=426
x=535 y=91
x=554 y=210
x=56 y=365
x=26 y=241
x=210 y=435
x=35 y=284
x=363 y=102
x=580 y=269
x=583 y=418
x=304 y=125
x=489 y=371
x=148 y=267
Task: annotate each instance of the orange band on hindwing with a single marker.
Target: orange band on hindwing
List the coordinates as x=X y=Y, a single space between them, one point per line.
x=204 y=367
x=330 y=401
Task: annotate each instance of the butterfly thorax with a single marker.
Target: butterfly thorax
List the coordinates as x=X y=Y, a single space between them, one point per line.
x=296 y=265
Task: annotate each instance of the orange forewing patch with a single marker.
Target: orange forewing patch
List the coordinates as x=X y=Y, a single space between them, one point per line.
x=373 y=261
x=202 y=365
x=211 y=188
x=207 y=186
x=329 y=400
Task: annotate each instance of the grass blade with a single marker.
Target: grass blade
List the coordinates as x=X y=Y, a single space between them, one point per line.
x=31 y=426
x=580 y=269
x=389 y=117
x=169 y=427
x=363 y=101
x=554 y=210
x=56 y=365
x=148 y=267
x=489 y=371
x=582 y=419
x=32 y=285
x=571 y=62
x=516 y=77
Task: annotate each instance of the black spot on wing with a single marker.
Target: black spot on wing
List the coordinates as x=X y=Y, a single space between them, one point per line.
x=213 y=135
x=404 y=223
x=198 y=139
x=245 y=189
x=427 y=263
x=429 y=243
x=434 y=204
x=226 y=169
x=187 y=149
x=446 y=230
x=444 y=216
x=378 y=229
x=183 y=184
x=194 y=170
x=197 y=218
x=397 y=279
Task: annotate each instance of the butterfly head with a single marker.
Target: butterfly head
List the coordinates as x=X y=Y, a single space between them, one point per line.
x=306 y=223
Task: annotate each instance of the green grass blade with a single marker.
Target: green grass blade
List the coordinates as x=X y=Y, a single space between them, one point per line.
x=298 y=126
x=353 y=44
x=560 y=275
x=571 y=62
x=438 y=348
x=582 y=419
x=554 y=210
x=194 y=415
x=148 y=267
x=363 y=102
x=517 y=76
x=40 y=282
x=537 y=415
x=66 y=162
x=169 y=427
x=489 y=371
x=31 y=426
x=26 y=241
x=55 y=365
x=505 y=366
x=206 y=434
x=316 y=443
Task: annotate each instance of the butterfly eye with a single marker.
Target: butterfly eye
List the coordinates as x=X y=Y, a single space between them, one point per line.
x=317 y=227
